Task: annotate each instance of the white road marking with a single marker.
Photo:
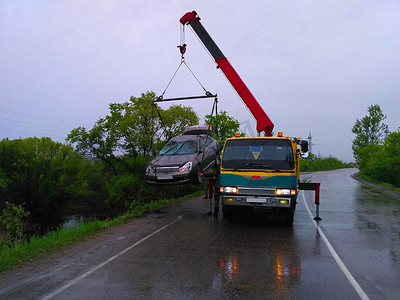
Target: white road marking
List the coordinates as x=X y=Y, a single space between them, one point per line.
x=79 y=278
x=340 y=263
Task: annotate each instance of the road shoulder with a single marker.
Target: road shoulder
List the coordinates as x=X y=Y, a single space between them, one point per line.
x=387 y=191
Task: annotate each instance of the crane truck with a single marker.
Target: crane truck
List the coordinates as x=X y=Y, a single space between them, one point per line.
x=255 y=173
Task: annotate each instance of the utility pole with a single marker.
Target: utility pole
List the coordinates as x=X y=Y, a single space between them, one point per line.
x=309 y=142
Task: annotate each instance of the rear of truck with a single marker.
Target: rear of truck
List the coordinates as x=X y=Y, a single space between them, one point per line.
x=259 y=173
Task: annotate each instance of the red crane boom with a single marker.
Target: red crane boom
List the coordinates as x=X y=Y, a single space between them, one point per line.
x=263 y=121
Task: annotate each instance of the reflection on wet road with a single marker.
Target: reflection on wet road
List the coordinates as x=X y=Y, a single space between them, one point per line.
x=364 y=226
x=201 y=257
x=260 y=267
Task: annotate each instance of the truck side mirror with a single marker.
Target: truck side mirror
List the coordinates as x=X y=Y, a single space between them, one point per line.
x=304 y=146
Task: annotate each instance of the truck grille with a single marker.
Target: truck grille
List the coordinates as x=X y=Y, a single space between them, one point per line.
x=264 y=191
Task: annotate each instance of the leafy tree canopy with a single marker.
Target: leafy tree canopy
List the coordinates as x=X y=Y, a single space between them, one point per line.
x=382 y=162
x=176 y=118
x=369 y=130
x=39 y=174
x=226 y=125
x=132 y=129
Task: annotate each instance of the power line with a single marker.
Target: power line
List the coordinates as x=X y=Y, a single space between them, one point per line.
x=33 y=116
x=25 y=134
x=13 y=123
x=32 y=123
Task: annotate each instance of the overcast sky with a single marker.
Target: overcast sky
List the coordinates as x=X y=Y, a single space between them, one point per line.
x=314 y=66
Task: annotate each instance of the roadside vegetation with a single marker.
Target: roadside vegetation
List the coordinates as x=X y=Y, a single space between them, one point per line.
x=16 y=251
x=99 y=172
x=315 y=163
x=377 y=150
x=380 y=183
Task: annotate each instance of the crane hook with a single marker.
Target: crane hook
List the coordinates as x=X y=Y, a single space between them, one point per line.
x=182 y=49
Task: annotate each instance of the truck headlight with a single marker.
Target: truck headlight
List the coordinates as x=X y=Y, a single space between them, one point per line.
x=285 y=192
x=186 y=167
x=229 y=189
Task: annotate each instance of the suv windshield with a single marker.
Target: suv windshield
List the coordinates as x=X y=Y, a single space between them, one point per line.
x=179 y=148
x=275 y=154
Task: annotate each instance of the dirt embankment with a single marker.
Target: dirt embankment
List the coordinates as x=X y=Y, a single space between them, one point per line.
x=388 y=191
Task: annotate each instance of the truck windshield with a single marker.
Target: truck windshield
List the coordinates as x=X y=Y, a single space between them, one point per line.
x=275 y=154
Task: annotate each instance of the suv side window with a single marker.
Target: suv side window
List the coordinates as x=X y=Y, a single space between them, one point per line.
x=208 y=141
x=202 y=143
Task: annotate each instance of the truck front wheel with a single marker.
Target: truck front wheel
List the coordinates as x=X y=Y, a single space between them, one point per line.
x=289 y=217
x=228 y=213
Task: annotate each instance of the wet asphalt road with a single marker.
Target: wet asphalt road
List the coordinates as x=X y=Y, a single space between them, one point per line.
x=181 y=253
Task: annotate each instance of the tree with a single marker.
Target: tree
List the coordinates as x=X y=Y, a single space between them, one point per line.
x=226 y=125
x=126 y=132
x=391 y=150
x=383 y=161
x=369 y=130
x=365 y=155
x=42 y=175
x=132 y=130
x=176 y=118
x=97 y=143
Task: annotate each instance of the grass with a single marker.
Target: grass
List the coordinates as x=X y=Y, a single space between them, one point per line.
x=37 y=247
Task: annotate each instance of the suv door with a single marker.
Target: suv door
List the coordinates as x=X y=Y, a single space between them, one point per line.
x=208 y=151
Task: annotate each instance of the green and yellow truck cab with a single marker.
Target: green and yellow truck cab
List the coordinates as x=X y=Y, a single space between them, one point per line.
x=260 y=173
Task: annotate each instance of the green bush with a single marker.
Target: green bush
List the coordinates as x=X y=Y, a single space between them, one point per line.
x=45 y=175
x=14 y=219
x=314 y=163
x=382 y=162
x=123 y=190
